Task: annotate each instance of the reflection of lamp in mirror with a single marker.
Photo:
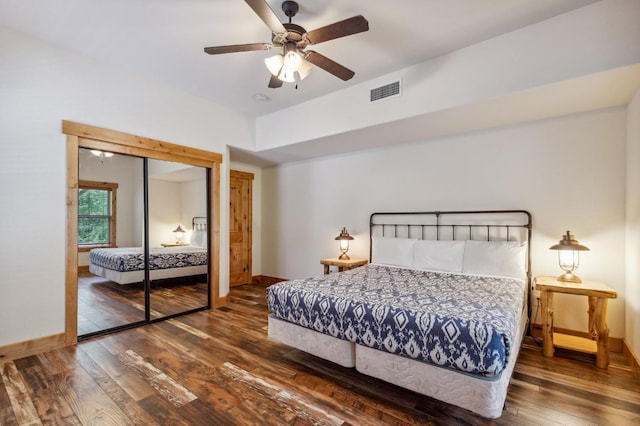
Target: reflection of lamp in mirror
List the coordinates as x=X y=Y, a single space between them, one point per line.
x=101 y=154
x=179 y=232
x=344 y=239
x=569 y=257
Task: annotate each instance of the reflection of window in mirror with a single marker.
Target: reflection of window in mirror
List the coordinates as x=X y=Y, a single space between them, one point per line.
x=123 y=175
x=97 y=222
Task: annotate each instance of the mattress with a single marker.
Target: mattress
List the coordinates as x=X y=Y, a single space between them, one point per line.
x=127 y=259
x=463 y=322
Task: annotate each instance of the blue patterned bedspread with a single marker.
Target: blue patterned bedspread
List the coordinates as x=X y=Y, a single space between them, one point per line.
x=464 y=322
x=125 y=259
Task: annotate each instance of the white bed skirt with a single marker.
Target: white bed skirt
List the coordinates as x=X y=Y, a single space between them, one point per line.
x=321 y=345
x=481 y=395
x=138 y=276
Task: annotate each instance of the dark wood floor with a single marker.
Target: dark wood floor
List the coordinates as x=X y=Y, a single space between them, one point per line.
x=103 y=304
x=218 y=368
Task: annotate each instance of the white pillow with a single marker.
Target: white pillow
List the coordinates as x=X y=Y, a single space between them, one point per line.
x=199 y=238
x=393 y=251
x=503 y=258
x=444 y=256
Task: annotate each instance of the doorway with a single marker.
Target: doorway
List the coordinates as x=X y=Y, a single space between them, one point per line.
x=240 y=224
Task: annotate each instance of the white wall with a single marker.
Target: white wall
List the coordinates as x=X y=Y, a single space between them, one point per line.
x=598 y=37
x=632 y=289
x=41 y=85
x=568 y=172
x=164 y=211
x=173 y=203
x=192 y=203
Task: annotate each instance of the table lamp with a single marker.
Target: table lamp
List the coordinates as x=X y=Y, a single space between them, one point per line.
x=344 y=239
x=569 y=257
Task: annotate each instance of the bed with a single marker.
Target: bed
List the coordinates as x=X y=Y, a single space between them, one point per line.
x=441 y=309
x=125 y=265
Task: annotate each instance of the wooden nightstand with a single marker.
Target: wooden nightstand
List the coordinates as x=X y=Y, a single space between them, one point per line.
x=342 y=265
x=174 y=244
x=598 y=294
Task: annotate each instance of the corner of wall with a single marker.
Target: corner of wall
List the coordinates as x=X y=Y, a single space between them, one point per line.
x=632 y=249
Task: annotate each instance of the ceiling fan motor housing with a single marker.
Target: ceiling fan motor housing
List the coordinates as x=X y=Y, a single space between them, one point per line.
x=295 y=33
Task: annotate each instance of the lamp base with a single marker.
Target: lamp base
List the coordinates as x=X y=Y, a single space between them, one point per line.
x=344 y=256
x=569 y=278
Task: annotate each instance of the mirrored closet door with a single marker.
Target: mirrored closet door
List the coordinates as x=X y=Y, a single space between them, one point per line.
x=142 y=240
x=110 y=241
x=178 y=238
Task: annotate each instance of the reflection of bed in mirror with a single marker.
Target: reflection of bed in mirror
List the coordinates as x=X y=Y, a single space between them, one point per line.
x=125 y=265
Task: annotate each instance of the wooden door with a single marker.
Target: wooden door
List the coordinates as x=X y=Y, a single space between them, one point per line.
x=240 y=198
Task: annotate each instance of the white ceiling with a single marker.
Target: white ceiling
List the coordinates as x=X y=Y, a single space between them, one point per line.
x=164 y=39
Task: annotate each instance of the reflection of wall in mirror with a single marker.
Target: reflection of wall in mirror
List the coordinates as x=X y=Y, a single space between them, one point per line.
x=175 y=203
x=193 y=202
x=127 y=173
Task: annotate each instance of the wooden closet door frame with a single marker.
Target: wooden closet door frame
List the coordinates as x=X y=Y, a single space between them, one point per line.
x=86 y=136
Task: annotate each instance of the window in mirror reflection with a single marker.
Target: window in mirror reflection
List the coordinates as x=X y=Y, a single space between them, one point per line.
x=96 y=213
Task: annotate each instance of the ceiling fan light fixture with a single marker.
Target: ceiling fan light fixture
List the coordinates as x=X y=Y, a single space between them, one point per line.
x=292 y=59
x=304 y=69
x=287 y=75
x=101 y=154
x=274 y=64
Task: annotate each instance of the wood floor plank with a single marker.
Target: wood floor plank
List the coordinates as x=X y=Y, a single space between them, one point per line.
x=593 y=407
x=136 y=387
x=166 y=385
x=49 y=402
x=283 y=398
x=198 y=377
x=7 y=416
x=24 y=410
x=88 y=401
x=163 y=413
x=129 y=406
x=59 y=361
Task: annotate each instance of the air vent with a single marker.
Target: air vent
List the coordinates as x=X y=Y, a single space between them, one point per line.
x=386 y=91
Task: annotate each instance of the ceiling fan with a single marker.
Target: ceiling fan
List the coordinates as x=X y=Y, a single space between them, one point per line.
x=293 y=39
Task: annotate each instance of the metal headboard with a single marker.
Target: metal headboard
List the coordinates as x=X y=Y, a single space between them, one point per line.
x=485 y=225
x=199 y=223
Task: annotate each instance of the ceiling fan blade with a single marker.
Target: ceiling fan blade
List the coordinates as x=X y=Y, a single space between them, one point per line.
x=328 y=65
x=354 y=25
x=262 y=9
x=275 y=82
x=216 y=50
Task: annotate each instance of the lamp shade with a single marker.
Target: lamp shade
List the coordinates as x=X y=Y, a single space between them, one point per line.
x=569 y=257
x=274 y=64
x=101 y=154
x=287 y=75
x=179 y=232
x=304 y=69
x=344 y=239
